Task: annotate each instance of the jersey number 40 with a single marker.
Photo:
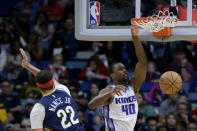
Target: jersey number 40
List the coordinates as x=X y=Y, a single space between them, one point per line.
x=63 y=114
x=128 y=109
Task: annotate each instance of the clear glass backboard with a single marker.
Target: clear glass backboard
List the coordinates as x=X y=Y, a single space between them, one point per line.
x=109 y=20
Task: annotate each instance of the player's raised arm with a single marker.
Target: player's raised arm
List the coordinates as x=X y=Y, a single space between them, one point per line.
x=25 y=63
x=105 y=96
x=141 y=66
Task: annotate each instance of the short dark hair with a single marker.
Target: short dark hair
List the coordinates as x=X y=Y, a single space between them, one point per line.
x=43 y=77
x=111 y=67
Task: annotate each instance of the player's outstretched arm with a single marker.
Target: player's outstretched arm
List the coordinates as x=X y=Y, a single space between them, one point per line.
x=141 y=66
x=25 y=63
x=105 y=96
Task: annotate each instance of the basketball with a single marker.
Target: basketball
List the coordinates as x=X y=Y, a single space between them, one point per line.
x=170 y=82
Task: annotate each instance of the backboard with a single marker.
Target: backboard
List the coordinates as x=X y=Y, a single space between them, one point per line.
x=109 y=20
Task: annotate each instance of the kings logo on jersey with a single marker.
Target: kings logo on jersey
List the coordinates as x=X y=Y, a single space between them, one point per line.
x=94 y=13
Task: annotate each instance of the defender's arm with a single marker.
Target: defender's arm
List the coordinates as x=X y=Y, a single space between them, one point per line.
x=25 y=64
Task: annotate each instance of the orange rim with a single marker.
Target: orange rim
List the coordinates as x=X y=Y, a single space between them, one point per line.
x=147 y=19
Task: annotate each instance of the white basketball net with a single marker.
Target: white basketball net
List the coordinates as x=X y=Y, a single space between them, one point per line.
x=158 y=22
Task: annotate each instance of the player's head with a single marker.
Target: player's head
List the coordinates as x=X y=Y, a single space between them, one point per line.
x=118 y=73
x=45 y=80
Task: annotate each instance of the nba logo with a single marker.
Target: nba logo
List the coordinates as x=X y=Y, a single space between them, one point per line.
x=94 y=13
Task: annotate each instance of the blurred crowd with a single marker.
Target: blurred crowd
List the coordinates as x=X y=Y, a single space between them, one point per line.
x=45 y=30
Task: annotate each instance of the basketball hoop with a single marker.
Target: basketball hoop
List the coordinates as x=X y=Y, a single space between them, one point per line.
x=160 y=24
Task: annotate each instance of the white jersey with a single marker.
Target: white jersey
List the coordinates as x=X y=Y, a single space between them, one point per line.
x=121 y=113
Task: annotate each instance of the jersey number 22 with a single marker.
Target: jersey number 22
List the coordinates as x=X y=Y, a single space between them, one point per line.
x=62 y=113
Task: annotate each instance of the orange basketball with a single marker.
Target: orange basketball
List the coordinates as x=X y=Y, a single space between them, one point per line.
x=170 y=82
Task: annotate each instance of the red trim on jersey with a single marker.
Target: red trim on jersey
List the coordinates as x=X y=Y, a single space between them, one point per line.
x=47 y=84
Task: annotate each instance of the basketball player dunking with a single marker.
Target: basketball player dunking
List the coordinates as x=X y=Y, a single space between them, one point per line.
x=56 y=110
x=119 y=101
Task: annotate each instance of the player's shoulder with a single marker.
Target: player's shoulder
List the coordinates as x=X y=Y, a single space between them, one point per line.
x=62 y=87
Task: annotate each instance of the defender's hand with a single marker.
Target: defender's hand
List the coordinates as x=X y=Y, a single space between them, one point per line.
x=117 y=90
x=25 y=61
x=134 y=30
